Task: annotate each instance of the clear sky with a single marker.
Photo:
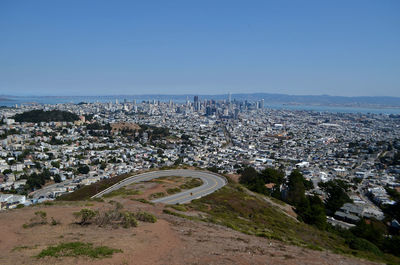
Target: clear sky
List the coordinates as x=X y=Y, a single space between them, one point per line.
x=341 y=47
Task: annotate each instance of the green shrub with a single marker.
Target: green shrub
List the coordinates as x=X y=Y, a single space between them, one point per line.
x=179 y=207
x=157 y=195
x=192 y=183
x=146 y=217
x=75 y=249
x=143 y=201
x=121 y=192
x=85 y=215
x=364 y=245
x=54 y=221
x=115 y=218
x=129 y=220
x=97 y=199
x=173 y=190
x=40 y=218
x=42 y=215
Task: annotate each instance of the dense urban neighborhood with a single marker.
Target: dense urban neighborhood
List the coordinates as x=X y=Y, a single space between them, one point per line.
x=336 y=168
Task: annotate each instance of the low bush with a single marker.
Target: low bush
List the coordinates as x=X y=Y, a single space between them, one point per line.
x=173 y=190
x=85 y=216
x=143 y=201
x=192 y=183
x=179 y=207
x=364 y=245
x=40 y=218
x=146 y=217
x=114 y=217
x=121 y=192
x=157 y=195
x=75 y=249
x=54 y=221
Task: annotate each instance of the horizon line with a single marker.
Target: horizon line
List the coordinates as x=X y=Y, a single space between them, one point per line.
x=196 y=94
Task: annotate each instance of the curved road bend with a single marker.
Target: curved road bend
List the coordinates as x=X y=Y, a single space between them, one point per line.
x=211 y=183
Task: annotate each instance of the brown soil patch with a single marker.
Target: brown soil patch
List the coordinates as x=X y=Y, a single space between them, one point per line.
x=234 y=177
x=115 y=127
x=171 y=240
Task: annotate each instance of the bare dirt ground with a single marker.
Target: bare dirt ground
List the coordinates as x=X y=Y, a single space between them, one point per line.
x=124 y=126
x=171 y=240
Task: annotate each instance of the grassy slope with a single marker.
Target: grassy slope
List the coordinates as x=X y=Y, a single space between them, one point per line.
x=86 y=192
x=234 y=207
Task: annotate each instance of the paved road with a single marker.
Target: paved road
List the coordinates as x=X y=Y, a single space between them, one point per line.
x=211 y=183
x=46 y=190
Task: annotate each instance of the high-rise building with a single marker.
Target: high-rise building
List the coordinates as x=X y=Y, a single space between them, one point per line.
x=208 y=111
x=196 y=103
x=236 y=114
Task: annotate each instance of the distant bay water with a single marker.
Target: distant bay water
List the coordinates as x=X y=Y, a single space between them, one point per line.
x=334 y=109
x=11 y=101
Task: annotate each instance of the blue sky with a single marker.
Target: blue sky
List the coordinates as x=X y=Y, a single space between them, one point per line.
x=342 y=47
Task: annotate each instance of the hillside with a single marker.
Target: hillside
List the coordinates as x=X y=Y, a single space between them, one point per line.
x=230 y=226
x=45 y=116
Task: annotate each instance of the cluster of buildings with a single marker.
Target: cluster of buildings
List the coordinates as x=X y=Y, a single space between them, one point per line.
x=223 y=134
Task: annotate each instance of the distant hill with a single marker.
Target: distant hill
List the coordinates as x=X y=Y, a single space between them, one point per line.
x=273 y=99
x=46 y=116
x=320 y=99
x=5 y=99
x=269 y=98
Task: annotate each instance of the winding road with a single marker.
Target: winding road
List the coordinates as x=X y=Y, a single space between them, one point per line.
x=211 y=183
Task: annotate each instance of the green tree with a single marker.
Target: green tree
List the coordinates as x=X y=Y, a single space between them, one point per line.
x=57 y=178
x=295 y=194
x=55 y=164
x=7 y=171
x=249 y=175
x=372 y=231
x=84 y=169
x=312 y=211
x=336 y=195
x=213 y=169
x=392 y=245
x=271 y=175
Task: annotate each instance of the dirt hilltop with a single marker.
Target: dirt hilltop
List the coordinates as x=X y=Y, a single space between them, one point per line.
x=171 y=240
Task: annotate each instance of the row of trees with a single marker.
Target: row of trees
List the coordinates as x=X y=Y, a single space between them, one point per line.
x=309 y=208
x=35 y=180
x=8 y=132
